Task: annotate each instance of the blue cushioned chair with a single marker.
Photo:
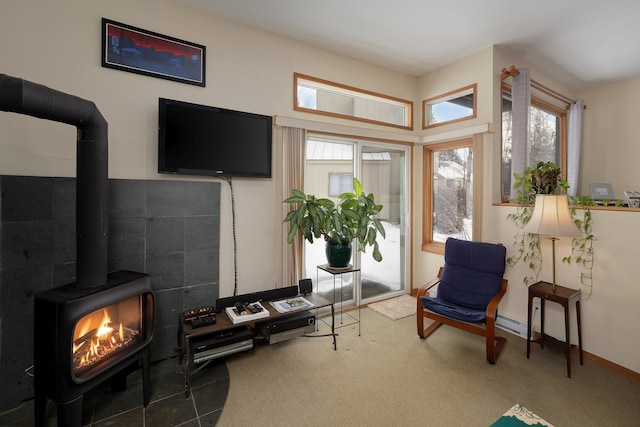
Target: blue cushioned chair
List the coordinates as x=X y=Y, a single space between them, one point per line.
x=469 y=288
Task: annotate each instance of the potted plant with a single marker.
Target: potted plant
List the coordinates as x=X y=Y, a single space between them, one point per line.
x=543 y=178
x=352 y=217
x=546 y=178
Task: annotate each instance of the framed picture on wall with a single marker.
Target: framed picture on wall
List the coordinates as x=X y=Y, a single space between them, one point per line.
x=140 y=51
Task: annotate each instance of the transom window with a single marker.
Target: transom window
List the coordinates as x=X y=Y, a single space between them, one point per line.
x=318 y=96
x=450 y=107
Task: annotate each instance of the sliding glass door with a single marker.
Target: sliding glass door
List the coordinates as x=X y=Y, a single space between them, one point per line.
x=331 y=164
x=383 y=171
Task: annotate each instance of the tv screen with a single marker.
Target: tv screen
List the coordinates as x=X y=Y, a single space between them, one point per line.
x=204 y=140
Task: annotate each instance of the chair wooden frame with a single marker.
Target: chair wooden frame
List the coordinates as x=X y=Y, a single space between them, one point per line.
x=494 y=343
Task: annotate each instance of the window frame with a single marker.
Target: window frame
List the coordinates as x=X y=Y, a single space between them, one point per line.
x=428 y=244
x=448 y=96
x=350 y=90
x=548 y=107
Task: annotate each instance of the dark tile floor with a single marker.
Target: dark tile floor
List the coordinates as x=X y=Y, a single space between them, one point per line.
x=168 y=405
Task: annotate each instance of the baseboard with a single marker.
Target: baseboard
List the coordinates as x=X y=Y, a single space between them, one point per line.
x=599 y=361
x=513 y=326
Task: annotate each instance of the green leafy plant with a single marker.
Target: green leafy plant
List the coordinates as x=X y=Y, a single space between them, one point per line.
x=352 y=217
x=544 y=178
x=582 y=252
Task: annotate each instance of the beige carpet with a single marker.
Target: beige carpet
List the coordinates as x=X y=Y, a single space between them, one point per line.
x=395 y=308
x=388 y=376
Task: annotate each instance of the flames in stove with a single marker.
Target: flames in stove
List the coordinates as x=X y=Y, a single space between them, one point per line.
x=104 y=333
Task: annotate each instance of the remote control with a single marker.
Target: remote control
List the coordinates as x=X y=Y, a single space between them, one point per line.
x=240 y=308
x=252 y=308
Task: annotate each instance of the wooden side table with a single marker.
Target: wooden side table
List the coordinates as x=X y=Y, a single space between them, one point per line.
x=564 y=297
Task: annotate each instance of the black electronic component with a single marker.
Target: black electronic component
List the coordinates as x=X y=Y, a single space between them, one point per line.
x=204 y=321
x=287 y=327
x=305 y=286
x=196 y=139
x=195 y=313
x=214 y=345
x=240 y=308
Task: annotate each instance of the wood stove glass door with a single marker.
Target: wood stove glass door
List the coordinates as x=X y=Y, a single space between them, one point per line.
x=103 y=336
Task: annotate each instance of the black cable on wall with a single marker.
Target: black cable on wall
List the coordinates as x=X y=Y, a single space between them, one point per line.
x=233 y=231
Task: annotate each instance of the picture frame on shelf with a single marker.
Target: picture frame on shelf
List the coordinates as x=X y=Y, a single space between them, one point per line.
x=601 y=191
x=128 y=48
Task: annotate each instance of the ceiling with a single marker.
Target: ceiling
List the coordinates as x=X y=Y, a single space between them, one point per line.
x=594 y=44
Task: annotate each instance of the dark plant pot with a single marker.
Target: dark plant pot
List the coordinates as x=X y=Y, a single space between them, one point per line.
x=545 y=182
x=338 y=254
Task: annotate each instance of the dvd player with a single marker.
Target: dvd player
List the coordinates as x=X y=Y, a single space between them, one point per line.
x=286 y=327
x=221 y=344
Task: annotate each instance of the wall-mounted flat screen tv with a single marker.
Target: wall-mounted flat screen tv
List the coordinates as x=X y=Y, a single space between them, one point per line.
x=198 y=139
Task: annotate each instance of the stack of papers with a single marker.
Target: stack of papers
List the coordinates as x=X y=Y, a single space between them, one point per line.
x=291 y=304
x=246 y=316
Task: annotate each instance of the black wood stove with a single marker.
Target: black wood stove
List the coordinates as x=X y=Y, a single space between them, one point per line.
x=99 y=327
x=85 y=336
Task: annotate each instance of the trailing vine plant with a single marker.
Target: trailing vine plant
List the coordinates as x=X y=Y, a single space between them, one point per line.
x=544 y=178
x=582 y=247
x=582 y=252
x=526 y=245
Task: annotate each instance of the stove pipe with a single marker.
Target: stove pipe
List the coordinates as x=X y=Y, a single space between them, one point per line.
x=24 y=97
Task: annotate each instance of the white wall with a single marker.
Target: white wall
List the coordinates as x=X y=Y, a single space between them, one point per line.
x=611 y=136
x=609 y=315
x=608 y=306
x=58 y=44
x=608 y=312
x=472 y=69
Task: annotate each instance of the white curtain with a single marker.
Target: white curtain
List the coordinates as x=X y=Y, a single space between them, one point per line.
x=520 y=113
x=294 y=143
x=574 y=147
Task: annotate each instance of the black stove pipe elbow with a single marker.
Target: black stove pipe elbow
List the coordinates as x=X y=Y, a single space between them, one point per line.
x=24 y=97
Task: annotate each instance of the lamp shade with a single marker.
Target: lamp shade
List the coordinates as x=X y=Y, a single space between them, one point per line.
x=551 y=217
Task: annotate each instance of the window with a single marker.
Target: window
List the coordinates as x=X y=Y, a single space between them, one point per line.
x=548 y=124
x=450 y=107
x=323 y=97
x=448 y=193
x=340 y=183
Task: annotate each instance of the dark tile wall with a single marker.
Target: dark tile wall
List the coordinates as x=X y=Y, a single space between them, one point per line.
x=168 y=229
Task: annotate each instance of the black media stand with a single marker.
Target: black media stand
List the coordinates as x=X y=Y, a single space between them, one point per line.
x=206 y=343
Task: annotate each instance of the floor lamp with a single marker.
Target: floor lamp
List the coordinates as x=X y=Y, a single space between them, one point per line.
x=551 y=217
